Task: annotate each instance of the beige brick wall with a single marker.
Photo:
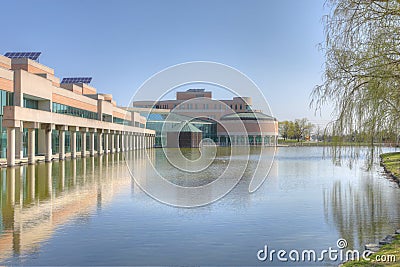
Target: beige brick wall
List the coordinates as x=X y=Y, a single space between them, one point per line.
x=120 y=115
x=6 y=85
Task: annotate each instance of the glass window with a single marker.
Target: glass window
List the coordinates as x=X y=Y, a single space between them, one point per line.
x=31 y=103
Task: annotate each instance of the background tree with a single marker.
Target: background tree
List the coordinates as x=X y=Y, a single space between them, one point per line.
x=362 y=68
x=284 y=129
x=291 y=130
x=299 y=129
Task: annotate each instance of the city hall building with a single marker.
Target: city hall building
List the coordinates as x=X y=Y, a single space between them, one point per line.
x=248 y=126
x=43 y=118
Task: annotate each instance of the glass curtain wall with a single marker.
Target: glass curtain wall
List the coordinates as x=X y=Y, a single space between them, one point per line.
x=6 y=99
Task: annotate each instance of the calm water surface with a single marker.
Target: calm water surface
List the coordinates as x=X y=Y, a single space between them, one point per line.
x=90 y=212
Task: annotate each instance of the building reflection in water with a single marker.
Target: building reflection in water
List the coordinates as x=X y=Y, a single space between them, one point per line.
x=361 y=207
x=149 y=169
x=36 y=199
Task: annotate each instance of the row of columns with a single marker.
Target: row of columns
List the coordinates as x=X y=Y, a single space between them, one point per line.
x=114 y=141
x=237 y=140
x=28 y=186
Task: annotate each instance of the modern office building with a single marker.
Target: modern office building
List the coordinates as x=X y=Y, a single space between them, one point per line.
x=248 y=126
x=163 y=121
x=199 y=102
x=41 y=116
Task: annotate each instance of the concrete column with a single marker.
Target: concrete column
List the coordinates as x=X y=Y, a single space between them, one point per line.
x=73 y=141
x=83 y=145
x=73 y=144
x=41 y=140
x=117 y=134
x=112 y=142
x=254 y=140
x=31 y=145
x=91 y=143
x=128 y=143
x=47 y=138
x=61 y=145
x=10 y=146
x=19 y=147
x=106 y=134
x=136 y=141
x=100 y=142
x=46 y=130
x=123 y=142
x=132 y=141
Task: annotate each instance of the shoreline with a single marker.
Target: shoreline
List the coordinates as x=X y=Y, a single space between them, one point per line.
x=390 y=245
x=391 y=165
x=293 y=143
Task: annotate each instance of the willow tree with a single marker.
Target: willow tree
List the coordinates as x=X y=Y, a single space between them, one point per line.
x=362 y=67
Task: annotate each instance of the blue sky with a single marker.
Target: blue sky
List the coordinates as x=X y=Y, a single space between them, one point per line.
x=122 y=43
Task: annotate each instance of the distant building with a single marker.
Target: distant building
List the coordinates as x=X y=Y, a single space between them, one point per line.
x=198 y=106
x=183 y=135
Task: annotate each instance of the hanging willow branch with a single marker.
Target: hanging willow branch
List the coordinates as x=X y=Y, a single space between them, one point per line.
x=362 y=67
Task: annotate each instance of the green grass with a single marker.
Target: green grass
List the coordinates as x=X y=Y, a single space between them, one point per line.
x=392 y=249
x=391 y=161
x=291 y=142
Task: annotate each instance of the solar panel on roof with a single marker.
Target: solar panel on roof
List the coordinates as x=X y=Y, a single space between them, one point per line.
x=30 y=55
x=86 y=80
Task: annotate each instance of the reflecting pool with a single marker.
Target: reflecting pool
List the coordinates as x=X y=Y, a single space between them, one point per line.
x=90 y=212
